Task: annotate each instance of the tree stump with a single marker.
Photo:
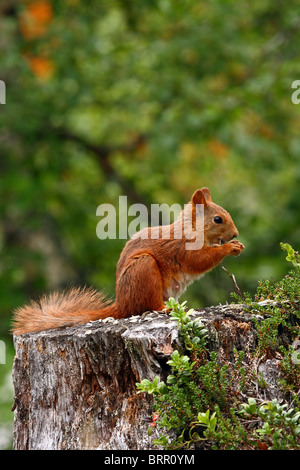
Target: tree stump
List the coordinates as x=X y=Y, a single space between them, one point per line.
x=75 y=388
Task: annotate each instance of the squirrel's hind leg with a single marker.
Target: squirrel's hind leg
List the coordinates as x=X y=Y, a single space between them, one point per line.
x=139 y=287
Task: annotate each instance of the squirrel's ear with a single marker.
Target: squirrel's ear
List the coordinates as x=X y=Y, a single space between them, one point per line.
x=207 y=194
x=201 y=196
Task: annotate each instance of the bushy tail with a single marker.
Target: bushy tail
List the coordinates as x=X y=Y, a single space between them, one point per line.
x=73 y=307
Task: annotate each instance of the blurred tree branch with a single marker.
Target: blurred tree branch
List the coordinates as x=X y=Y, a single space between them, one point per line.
x=8 y=8
x=103 y=153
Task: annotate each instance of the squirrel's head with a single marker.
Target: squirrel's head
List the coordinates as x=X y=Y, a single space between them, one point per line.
x=218 y=224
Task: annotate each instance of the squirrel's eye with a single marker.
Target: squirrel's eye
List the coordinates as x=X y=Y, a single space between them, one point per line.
x=218 y=220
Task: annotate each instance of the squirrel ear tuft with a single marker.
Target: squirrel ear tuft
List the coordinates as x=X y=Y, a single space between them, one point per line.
x=201 y=196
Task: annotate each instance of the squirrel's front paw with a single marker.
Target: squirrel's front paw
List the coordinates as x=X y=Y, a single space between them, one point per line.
x=236 y=247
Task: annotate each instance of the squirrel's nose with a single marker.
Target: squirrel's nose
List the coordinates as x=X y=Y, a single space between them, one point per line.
x=235 y=234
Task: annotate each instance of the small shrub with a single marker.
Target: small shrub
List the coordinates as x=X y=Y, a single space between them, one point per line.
x=203 y=399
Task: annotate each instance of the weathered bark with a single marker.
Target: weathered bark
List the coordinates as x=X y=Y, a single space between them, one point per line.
x=75 y=388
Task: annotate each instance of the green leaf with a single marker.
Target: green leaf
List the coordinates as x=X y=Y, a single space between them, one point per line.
x=203 y=418
x=162 y=388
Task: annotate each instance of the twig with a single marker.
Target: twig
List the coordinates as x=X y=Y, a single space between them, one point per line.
x=232 y=277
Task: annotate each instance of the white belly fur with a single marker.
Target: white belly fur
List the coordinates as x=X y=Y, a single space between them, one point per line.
x=178 y=287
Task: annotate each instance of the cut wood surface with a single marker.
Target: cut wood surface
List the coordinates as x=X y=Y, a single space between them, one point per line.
x=75 y=388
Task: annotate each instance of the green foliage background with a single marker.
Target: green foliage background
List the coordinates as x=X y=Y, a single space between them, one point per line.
x=149 y=99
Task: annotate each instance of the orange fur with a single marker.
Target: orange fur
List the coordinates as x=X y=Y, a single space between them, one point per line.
x=149 y=271
x=60 y=309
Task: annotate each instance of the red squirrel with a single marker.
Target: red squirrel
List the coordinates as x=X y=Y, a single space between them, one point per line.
x=150 y=271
